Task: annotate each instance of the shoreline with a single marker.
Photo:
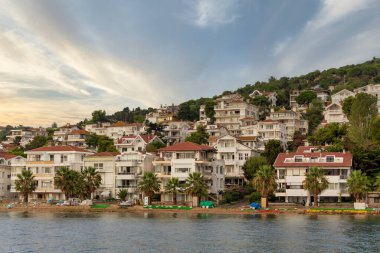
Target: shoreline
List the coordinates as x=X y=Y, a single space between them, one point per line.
x=217 y=210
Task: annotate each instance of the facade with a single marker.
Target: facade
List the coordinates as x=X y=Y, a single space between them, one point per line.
x=176 y=131
x=163 y=114
x=104 y=162
x=24 y=135
x=291 y=169
x=60 y=135
x=271 y=96
x=333 y=113
x=129 y=168
x=272 y=130
x=230 y=109
x=292 y=121
x=44 y=163
x=98 y=128
x=372 y=89
x=120 y=129
x=136 y=142
x=77 y=138
x=234 y=154
x=341 y=95
x=8 y=162
x=184 y=158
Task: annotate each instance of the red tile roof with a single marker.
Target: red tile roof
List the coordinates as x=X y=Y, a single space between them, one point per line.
x=247 y=138
x=80 y=131
x=280 y=160
x=187 y=146
x=7 y=156
x=59 y=149
x=302 y=149
x=147 y=137
x=124 y=124
x=106 y=154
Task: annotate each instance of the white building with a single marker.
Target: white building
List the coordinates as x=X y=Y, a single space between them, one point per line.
x=24 y=135
x=7 y=162
x=292 y=121
x=372 y=89
x=104 y=163
x=333 y=113
x=291 y=169
x=272 y=130
x=230 y=109
x=44 y=163
x=98 y=128
x=184 y=158
x=136 y=142
x=271 y=96
x=129 y=168
x=176 y=131
x=120 y=129
x=61 y=134
x=338 y=97
x=234 y=154
x=77 y=138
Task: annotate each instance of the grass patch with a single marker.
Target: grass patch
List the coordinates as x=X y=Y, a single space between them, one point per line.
x=169 y=207
x=100 y=206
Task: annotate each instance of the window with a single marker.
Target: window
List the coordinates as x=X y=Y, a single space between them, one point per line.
x=246 y=156
x=221 y=170
x=329 y=159
x=182 y=170
x=63 y=158
x=376 y=200
x=98 y=166
x=51 y=158
x=47 y=171
x=240 y=156
x=298 y=159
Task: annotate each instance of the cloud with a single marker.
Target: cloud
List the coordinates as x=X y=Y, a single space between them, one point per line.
x=205 y=13
x=281 y=45
x=341 y=32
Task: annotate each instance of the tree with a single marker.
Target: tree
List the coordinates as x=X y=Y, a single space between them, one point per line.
x=196 y=185
x=363 y=113
x=199 y=137
x=173 y=187
x=69 y=181
x=315 y=182
x=251 y=166
x=265 y=182
x=314 y=114
x=305 y=97
x=149 y=184
x=17 y=140
x=101 y=142
x=99 y=116
x=298 y=140
x=54 y=125
x=347 y=105
x=122 y=194
x=25 y=184
x=38 y=141
x=358 y=184
x=209 y=110
x=332 y=133
x=91 y=180
x=272 y=149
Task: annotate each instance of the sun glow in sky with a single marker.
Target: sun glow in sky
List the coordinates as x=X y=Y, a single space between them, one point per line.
x=61 y=60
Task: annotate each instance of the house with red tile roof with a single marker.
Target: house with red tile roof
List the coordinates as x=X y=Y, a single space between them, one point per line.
x=77 y=138
x=136 y=142
x=180 y=160
x=291 y=169
x=120 y=129
x=8 y=164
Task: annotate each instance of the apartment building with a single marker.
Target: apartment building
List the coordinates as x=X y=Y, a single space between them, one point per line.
x=338 y=97
x=184 y=158
x=77 y=138
x=234 y=154
x=163 y=114
x=98 y=128
x=60 y=135
x=292 y=121
x=291 y=169
x=104 y=163
x=230 y=109
x=372 y=89
x=44 y=163
x=271 y=96
x=136 y=142
x=333 y=113
x=24 y=135
x=272 y=130
x=176 y=131
x=8 y=162
x=129 y=168
x=120 y=129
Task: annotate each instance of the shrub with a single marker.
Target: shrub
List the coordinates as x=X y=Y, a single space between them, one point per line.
x=254 y=197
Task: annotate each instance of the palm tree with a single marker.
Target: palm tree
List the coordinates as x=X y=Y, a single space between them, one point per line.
x=92 y=180
x=25 y=184
x=173 y=187
x=196 y=185
x=265 y=182
x=149 y=184
x=315 y=182
x=358 y=184
x=69 y=181
x=122 y=194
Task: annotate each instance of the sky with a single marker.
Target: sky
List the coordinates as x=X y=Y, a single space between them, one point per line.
x=61 y=60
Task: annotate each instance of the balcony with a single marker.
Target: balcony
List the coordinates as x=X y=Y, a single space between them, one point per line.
x=126 y=175
x=129 y=188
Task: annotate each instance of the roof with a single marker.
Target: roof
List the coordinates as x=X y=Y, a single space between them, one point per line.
x=187 y=146
x=124 y=124
x=247 y=138
x=212 y=138
x=59 y=149
x=148 y=137
x=80 y=131
x=106 y=154
x=280 y=160
x=7 y=156
x=269 y=121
